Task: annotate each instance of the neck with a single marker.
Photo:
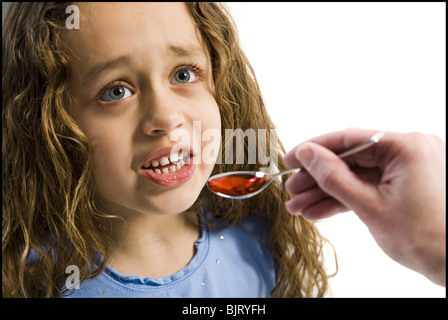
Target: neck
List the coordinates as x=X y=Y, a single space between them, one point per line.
x=145 y=230
x=151 y=245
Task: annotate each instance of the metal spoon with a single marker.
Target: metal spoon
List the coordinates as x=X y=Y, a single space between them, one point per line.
x=246 y=184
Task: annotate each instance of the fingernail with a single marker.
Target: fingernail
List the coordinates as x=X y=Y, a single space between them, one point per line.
x=291 y=212
x=305 y=155
x=287 y=183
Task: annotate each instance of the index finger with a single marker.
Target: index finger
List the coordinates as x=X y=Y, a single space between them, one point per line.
x=337 y=141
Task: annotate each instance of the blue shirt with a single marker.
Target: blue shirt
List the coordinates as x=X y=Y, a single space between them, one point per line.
x=230 y=262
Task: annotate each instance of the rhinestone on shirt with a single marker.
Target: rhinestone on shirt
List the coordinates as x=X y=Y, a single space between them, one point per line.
x=101 y=292
x=221 y=237
x=204 y=282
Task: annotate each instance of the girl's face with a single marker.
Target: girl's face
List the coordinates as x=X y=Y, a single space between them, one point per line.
x=141 y=76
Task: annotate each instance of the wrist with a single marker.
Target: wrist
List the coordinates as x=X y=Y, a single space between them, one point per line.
x=430 y=260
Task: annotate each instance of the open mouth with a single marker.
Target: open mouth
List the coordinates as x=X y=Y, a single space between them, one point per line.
x=168 y=164
x=170 y=167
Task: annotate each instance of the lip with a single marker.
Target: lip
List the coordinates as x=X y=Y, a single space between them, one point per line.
x=171 y=179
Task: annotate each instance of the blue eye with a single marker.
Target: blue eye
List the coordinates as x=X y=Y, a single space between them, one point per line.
x=183 y=76
x=115 y=94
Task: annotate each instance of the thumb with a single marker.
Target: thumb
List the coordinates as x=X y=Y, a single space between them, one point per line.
x=334 y=176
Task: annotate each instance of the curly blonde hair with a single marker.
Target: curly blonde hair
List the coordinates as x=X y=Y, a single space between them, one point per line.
x=48 y=192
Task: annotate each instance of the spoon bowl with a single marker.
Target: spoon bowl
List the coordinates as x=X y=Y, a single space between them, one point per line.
x=246 y=184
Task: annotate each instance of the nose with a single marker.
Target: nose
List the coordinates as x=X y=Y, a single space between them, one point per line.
x=163 y=114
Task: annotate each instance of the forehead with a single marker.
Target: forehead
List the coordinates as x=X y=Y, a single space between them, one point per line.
x=121 y=28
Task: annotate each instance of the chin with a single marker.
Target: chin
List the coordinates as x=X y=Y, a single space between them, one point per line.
x=174 y=203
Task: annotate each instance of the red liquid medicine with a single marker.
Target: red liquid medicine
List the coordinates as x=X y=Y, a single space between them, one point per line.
x=236 y=185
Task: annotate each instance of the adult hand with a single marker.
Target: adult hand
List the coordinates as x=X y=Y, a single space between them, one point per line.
x=396 y=187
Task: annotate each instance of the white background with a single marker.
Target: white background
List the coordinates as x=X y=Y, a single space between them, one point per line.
x=328 y=66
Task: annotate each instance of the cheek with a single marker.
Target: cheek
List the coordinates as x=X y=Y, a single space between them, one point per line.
x=210 y=115
x=109 y=158
x=211 y=135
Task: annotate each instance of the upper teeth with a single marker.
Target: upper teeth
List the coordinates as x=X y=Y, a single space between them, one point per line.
x=174 y=158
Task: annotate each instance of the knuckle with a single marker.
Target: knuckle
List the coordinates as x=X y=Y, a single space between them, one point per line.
x=436 y=139
x=423 y=144
x=352 y=129
x=416 y=137
x=329 y=180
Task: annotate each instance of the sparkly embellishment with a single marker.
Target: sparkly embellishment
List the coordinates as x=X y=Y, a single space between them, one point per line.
x=204 y=282
x=221 y=237
x=101 y=292
x=217 y=261
x=182 y=296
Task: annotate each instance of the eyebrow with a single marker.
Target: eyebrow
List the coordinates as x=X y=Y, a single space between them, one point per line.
x=192 y=51
x=102 y=67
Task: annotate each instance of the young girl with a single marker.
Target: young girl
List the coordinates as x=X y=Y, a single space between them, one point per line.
x=95 y=201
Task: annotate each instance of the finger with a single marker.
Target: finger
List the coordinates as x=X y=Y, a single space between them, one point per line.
x=299 y=182
x=326 y=208
x=304 y=200
x=340 y=141
x=335 y=141
x=303 y=181
x=334 y=176
x=291 y=160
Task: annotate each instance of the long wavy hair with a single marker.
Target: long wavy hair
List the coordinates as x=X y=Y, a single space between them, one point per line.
x=48 y=191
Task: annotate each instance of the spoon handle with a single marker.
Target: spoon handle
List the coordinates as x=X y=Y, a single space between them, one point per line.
x=284 y=172
x=362 y=146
